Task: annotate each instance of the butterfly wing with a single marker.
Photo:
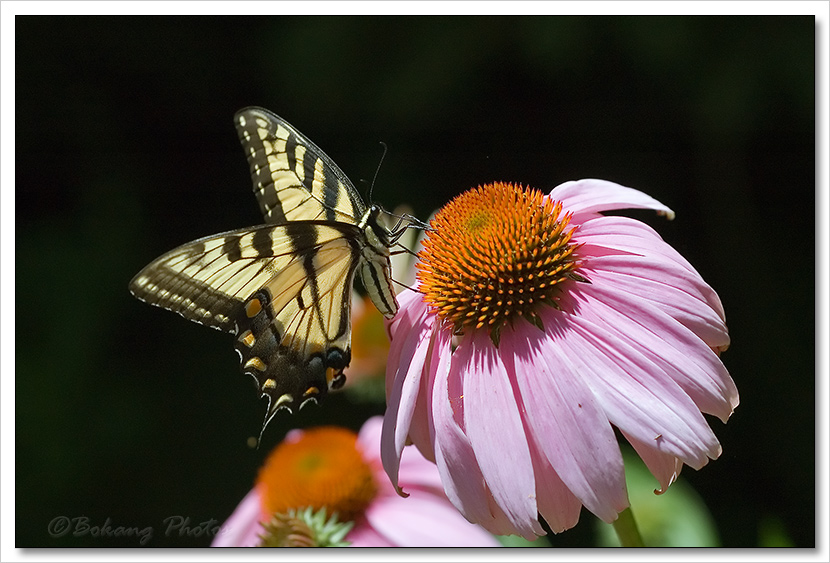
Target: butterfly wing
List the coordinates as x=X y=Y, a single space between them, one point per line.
x=293 y=178
x=283 y=290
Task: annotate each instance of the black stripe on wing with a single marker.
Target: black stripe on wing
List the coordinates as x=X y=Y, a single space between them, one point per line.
x=294 y=336
x=293 y=179
x=195 y=300
x=208 y=280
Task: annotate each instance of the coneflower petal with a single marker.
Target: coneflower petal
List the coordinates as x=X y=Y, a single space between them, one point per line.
x=592 y=196
x=679 y=352
x=638 y=397
x=488 y=389
x=556 y=502
x=403 y=395
x=665 y=467
x=657 y=282
x=458 y=467
x=567 y=421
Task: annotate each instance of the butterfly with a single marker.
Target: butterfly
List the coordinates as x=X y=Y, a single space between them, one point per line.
x=283 y=288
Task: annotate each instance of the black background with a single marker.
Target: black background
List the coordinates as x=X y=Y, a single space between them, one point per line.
x=125 y=148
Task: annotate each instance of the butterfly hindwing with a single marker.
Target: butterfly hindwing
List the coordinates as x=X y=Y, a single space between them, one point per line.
x=293 y=178
x=284 y=290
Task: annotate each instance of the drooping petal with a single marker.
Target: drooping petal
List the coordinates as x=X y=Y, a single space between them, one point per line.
x=680 y=353
x=495 y=429
x=416 y=470
x=406 y=383
x=420 y=472
x=437 y=364
x=634 y=237
x=410 y=312
x=637 y=396
x=592 y=196
x=668 y=287
x=665 y=467
x=623 y=235
x=424 y=520
x=569 y=426
x=557 y=504
x=460 y=473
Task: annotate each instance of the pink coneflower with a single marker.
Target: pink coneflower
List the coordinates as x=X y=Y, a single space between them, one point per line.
x=334 y=468
x=540 y=326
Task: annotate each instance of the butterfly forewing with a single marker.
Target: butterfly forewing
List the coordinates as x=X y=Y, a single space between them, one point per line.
x=292 y=178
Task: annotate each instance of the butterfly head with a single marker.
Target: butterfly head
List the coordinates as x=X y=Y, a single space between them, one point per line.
x=378 y=236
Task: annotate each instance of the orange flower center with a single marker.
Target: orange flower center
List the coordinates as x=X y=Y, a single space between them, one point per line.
x=323 y=468
x=495 y=253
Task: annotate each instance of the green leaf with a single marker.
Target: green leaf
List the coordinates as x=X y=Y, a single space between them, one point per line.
x=676 y=518
x=519 y=541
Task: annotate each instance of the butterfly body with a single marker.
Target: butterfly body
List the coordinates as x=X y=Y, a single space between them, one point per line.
x=284 y=287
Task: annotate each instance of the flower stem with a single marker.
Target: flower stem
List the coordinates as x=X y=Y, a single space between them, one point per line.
x=626 y=529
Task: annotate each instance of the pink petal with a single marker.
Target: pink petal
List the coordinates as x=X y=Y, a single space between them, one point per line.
x=665 y=467
x=630 y=237
x=637 y=395
x=363 y=535
x=593 y=196
x=557 y=504
x=634 y=237
x=666 y=286
x=406 y=380
x=570 y=428
x=418 y=472
x=463 y=482
x=243 y=527
x=437 y=364
x=410 y=306
x=415 y=471
x=680 y=353
x=424 y=520
x=411 y=309
x=494 y=427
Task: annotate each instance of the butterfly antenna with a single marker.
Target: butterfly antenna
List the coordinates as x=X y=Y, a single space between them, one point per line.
x=377 y=170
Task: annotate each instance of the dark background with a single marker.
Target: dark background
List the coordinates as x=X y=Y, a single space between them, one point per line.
x=125 y=148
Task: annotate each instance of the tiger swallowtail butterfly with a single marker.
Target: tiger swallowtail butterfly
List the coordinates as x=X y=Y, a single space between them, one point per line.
x=283 y=288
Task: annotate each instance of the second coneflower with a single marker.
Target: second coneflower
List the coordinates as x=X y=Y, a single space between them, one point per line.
x=332 y=472
x=539 y=326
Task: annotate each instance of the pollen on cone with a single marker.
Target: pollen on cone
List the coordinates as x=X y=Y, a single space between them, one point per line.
x=492 y=255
